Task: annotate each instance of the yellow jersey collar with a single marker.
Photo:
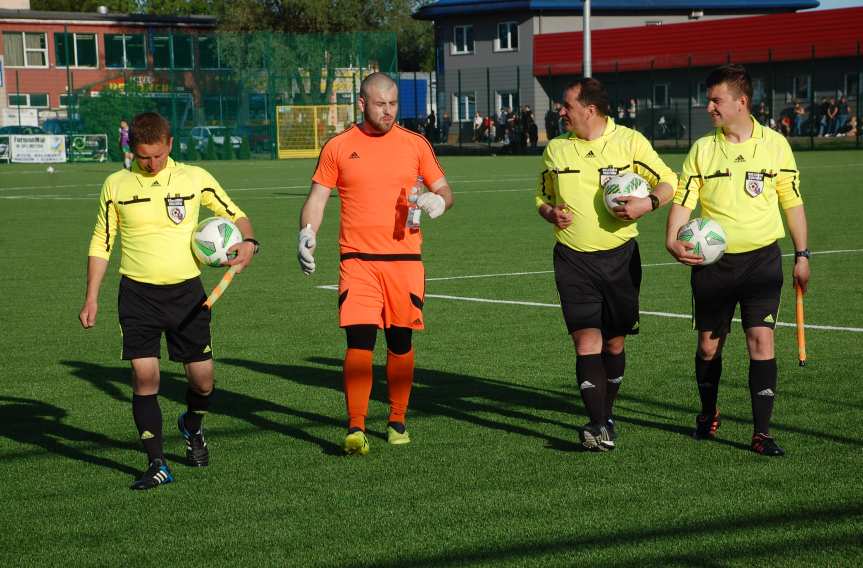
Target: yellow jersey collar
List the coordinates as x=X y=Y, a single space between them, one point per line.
x=610 y=127
x=162 y=178
x=757 y=135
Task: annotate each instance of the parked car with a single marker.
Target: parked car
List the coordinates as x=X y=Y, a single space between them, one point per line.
x=260 y=139
x=21 y=130
x=200 y=134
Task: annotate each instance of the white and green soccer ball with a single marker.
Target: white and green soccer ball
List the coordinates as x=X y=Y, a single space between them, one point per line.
x=708 y=237
x=624 y=185
x=212 y=239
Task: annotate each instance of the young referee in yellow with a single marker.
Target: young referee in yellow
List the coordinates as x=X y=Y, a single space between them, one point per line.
x=154 y=207
x=597 y=267
x=739 y=173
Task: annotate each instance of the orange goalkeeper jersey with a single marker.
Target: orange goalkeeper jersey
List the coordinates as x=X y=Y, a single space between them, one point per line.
x=373 y=175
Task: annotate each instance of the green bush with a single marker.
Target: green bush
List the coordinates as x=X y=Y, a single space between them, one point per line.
x=102 y=114
x=210 y=153
x=192 y=153
x=244 y=152
x=226 y=152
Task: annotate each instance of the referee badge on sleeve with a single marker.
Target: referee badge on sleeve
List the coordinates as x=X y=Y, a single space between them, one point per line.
x=176 y=209
x=754 y=184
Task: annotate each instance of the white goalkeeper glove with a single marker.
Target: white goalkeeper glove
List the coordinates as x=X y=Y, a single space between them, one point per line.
x=306 y=244
x=432 y=203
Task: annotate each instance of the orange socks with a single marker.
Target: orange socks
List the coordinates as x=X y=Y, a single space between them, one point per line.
x=358 y=385
x=400 y=377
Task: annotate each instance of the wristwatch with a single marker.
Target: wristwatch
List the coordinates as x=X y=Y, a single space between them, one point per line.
x=805 y=253
x=654 y=202
x=254 y=242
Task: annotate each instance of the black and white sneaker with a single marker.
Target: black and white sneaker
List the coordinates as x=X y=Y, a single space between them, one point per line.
x=157 y=474
x=766 y=446
x=597 y=438
x=197 y=454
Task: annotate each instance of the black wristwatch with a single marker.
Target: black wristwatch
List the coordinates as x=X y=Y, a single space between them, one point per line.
x=805 y=253
x=254 y=242
x=654 y=202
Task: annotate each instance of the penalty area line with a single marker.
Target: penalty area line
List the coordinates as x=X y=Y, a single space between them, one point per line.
x=642 y=312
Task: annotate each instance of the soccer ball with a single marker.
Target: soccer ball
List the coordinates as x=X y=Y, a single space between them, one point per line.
x=624 y=185
x=50 y=169
x=707 y=236
x=212 y=239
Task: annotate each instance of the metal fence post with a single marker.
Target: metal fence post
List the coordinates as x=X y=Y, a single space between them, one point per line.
x=811 y=102
x=689 y=95
x=652 y=103
x=488 y=105
x=458 y=110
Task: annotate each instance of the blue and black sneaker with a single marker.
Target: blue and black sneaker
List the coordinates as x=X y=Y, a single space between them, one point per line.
x=197 y=453
x=157 y=474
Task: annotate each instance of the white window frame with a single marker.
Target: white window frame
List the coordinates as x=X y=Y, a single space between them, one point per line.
x=172 y=66
x=467 y=50
x=700 y=99
x=807 y=79
x=667 y=99
x=125 y=36
x=27 y=95
x=73 y=50
x=463 y=106
x=510 y=100
x=511 y=31
x=30 y=49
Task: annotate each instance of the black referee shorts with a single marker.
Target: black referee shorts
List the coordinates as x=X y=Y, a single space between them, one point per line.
x=148 y=310
x=599 y=289
x=753 y=279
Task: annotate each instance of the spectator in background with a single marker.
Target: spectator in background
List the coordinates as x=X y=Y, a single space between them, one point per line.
x=486 y=128
x=786 y=121
x=842 y=116
x=832 y=113
x=799 y=118
x=501 y=124
x=822 y=116
x=763 y=116
x=446 y=124
x=850 y=128
x=477 y=127
x=431 y=127
x=552 y=121
x=632 y=112
x=528 y=127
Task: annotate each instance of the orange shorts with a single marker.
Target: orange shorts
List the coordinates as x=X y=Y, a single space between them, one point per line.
x=381 y=292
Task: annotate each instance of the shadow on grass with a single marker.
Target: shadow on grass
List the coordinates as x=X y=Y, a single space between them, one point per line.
x=464 y=398
x=227 y=403
x=785 y=535
x=32 y=422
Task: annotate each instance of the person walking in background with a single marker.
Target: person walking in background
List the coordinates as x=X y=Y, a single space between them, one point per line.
x=125 y=149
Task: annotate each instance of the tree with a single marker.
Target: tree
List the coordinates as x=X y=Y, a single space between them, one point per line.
x=102 y=114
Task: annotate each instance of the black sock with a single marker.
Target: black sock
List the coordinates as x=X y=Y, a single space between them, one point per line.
x=707 y=375
x=762 y=384
x=614 y=367
x=592 y=383
x=148 y=420
x=196 y=407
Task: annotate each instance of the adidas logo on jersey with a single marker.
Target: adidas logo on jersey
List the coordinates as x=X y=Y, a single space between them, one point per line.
x=739 y=159
x=354 y=156
x=156 y=184
x=590 y=154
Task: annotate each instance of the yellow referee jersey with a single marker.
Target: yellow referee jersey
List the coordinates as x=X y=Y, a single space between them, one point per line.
x=739 y=185
x=155 y=216
x=574 y=171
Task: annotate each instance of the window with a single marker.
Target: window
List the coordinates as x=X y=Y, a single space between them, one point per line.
x=172 y=52
x=80 y=49
x=462 y=40
x=507 y=37
x=852 y=84
x=25 y=49
x=507 y=99
x=465 y=108
x=700 y=95
x=800 y=87
x=660 y=94
x=210 y=53
x=34 y=100
x=759 y=92
x=64 y=101
x=222 y=110
x=125 y=51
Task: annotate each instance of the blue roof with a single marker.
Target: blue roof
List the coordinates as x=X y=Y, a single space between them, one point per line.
x=443 y=8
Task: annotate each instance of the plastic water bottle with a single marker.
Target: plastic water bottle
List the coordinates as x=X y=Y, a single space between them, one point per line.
x=414 y=212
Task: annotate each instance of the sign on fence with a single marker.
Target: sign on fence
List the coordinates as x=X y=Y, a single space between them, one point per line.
x=88 y=148
x=38 y=148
